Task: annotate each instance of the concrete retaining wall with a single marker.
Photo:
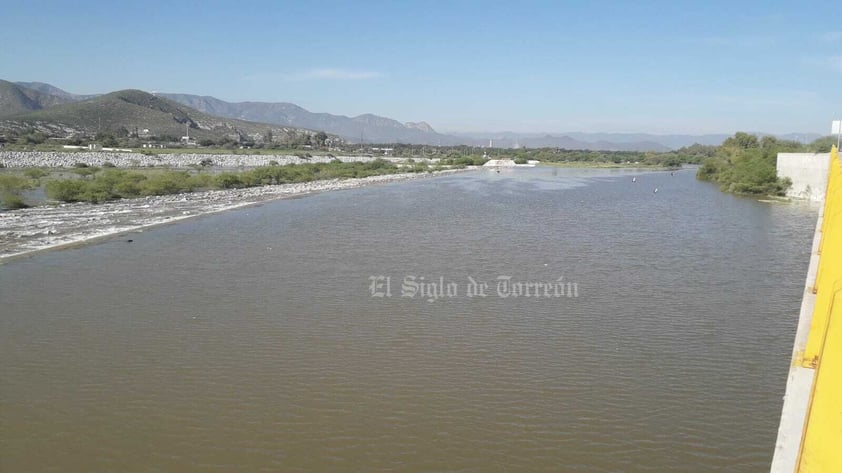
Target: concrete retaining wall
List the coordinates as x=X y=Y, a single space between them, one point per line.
x=808 y=172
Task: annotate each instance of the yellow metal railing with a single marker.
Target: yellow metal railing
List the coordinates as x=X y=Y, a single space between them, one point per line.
x=821 y=442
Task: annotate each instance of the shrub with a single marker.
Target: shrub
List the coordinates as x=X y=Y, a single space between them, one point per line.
x=10 y=188
x=200 y=181
x=86 y=171
x=116 y=183
x=119 y=184
x=67 y=190
x=228 y=180
x=35 y=173
x=12 y=201
x=378 y=163
x=128 y=188
x=170 y=182
x=14 y=184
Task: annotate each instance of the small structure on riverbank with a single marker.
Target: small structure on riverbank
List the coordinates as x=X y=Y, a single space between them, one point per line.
x=508 y=163
x=808 y=172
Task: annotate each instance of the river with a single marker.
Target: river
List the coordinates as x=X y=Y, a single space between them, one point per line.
x=571 y=320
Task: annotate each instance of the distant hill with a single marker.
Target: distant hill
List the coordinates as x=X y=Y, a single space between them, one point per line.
x=53 y=90
x=610 y=141
x=22 y=97
x=15 y=99
x=508 y=139
x=364 y=128
x=129 y=110
x=564 y=141
x=679 y=141
x=670 y=141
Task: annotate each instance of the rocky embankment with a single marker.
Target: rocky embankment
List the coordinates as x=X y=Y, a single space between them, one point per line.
x=27 y=230
x=17 y=159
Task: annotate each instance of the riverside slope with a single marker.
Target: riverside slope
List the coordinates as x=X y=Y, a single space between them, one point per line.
x=48 y=159
x=28 y=230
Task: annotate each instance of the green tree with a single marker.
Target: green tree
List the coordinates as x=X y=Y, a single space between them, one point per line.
x=741 y=140
x=321 y=138
x=106 y=139
x=822 y=145
x=745 y=165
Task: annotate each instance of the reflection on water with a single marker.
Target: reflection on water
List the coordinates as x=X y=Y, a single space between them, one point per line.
x=250 y=341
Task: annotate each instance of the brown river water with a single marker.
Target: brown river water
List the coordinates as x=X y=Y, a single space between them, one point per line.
x=620 y=330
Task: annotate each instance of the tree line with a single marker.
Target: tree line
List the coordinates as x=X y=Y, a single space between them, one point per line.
x=746 y=164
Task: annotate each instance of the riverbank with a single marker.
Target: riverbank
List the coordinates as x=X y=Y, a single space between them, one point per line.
x=604 y=165
x=26 y=231
x=48 y=159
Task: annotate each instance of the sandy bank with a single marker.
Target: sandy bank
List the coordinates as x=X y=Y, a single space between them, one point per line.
x=38 y=228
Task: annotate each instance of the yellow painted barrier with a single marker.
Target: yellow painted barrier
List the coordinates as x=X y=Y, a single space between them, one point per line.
x=821 y=442
x=830 y=265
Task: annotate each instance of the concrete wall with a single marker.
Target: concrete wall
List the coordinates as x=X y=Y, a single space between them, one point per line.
x=808 y=172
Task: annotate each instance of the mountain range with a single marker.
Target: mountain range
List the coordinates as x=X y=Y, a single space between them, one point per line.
x=124 y=111
x=21 y=99
x=364 y=128
x=55 y=91
x=612 y=141
x=16 y=99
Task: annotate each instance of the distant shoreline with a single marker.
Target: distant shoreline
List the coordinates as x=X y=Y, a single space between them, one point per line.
x=29 y=231
x=597 y=165
x=186 y=160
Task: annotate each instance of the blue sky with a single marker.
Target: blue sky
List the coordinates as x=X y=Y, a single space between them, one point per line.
x=656 y=67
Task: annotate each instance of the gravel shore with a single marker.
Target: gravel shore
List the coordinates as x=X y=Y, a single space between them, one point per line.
x=38 y=228
x=19 y=159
